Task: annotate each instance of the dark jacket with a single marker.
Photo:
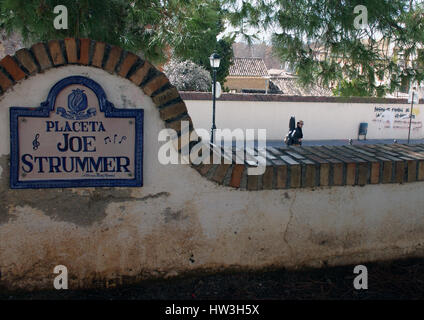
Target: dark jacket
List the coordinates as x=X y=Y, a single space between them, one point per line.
x=296 y=135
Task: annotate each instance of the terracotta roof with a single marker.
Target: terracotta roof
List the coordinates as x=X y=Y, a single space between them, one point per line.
x=289 y=86
x=280 y=73
x=275 y=72
x=248 y=67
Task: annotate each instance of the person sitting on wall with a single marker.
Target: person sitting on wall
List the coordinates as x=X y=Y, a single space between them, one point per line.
x=297 y=135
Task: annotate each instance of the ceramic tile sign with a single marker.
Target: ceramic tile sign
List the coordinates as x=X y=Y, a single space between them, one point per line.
x=76 y=138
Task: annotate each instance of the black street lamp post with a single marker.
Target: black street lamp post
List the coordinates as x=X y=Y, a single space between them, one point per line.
x=215 y=61
x=411 y=113
x=410 y=116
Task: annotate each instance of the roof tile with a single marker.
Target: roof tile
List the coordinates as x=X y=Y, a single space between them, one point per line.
x=245 y=67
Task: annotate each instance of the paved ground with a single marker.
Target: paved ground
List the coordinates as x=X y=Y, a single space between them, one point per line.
x=275 y=143
x=281 y=144
x=400 y=279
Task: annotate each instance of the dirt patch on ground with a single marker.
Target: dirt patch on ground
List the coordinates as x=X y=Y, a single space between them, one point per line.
x=400 y=279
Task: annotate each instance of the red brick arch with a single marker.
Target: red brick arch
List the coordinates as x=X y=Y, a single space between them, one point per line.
x=56 y=53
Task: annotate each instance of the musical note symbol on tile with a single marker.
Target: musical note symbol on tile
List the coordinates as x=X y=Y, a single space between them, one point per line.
x=36 y=143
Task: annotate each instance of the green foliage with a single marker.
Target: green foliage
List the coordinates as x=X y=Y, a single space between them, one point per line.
x=196 y=40
x=100 y=19
x=224 y=48
x=149 y=27
x=320 y=40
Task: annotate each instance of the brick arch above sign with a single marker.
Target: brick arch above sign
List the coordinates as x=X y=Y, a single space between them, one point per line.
x=86 y=52
x=295 y=167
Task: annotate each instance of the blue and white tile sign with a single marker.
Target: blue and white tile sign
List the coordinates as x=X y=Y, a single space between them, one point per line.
x=76 y=138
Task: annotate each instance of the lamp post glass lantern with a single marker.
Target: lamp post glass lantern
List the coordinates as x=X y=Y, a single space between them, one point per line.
x=215 y=61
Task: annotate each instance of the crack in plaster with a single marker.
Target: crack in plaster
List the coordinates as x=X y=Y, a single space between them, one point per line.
x=288 y=223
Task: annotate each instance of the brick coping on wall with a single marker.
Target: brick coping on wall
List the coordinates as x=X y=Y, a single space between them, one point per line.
x=294 y=167
x=325 y=166
x=190 y=95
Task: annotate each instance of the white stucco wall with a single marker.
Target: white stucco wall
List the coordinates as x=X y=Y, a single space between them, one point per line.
x=322 y=120
x=179 y=221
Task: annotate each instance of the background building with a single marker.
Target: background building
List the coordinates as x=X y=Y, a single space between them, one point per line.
x=248 y=75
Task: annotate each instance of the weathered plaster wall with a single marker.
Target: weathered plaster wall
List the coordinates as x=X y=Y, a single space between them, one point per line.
x=240 y=83
x=179 y=221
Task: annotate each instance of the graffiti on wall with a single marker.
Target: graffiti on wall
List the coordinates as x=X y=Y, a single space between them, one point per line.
x=397 y=118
